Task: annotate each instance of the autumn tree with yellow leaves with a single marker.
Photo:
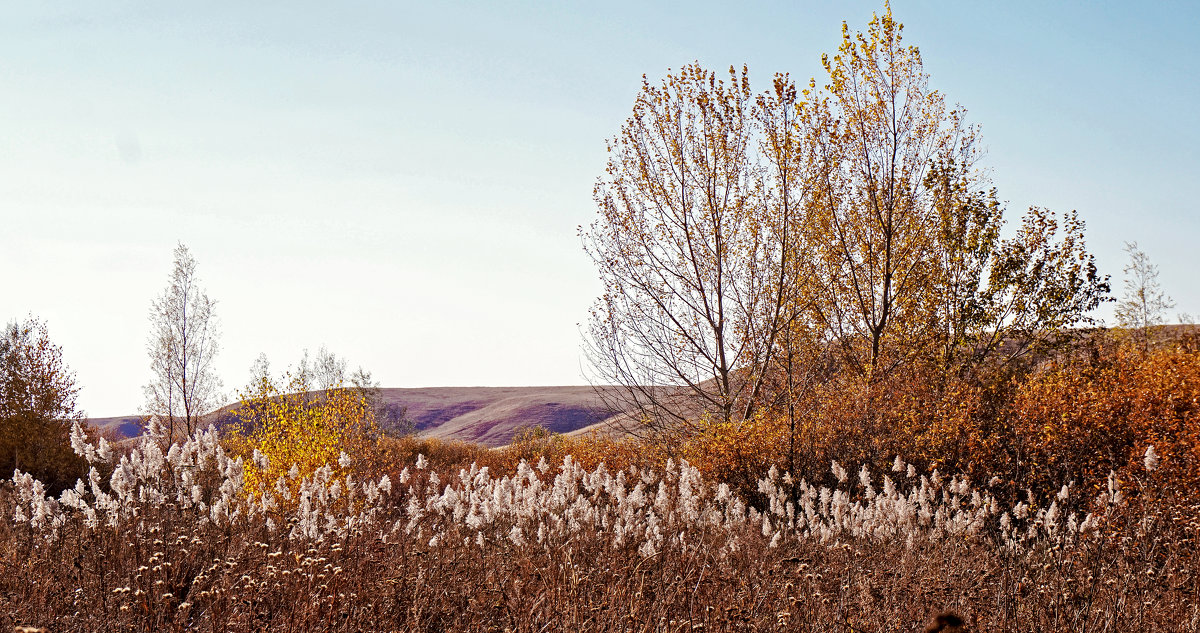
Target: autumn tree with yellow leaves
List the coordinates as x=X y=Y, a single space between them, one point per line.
x=913 y=266
x=762 y=251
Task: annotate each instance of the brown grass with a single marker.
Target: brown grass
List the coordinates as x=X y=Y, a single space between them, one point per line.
x=167 y=572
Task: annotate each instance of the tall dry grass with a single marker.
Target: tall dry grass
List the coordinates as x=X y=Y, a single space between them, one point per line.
x=174 y=540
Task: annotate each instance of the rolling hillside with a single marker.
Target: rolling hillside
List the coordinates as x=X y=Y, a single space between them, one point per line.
x=491 y=415
x=487 y=415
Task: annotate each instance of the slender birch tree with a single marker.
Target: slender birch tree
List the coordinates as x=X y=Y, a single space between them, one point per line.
x=1143 y=303
x=182 y=345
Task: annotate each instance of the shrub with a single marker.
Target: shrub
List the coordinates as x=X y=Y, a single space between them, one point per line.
x=1081 y=418
x=442 y=456
x=737 y=453
x=590 y=449
x=299 y=432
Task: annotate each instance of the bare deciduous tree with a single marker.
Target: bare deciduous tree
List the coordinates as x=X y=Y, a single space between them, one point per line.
x=316 y=378
x=692 y=231
x=328 y=371
x=1144 y=304
x=182 y=346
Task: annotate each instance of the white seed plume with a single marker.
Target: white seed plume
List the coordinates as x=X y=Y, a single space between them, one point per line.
x=1150 y=461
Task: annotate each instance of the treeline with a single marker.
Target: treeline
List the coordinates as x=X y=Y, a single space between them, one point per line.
x=823 y=272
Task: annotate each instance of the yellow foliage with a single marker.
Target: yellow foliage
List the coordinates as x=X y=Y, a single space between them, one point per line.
x=300 y=429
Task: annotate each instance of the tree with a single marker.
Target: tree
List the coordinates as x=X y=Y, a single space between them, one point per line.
x=1144 y=304
x=182 y=346
x=797 y=344
x=37 y=407
x=918 y=295
x=689 y=243
x=319 y=379
x=289 y=425
x=327 y=372
x=753 y=247
x=913 y=262
x=1042 y=284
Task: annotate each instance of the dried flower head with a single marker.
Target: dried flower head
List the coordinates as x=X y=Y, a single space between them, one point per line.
x=1150 y=461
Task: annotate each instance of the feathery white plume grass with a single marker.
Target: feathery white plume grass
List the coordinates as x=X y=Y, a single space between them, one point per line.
x=1150 y=460
x=646 y=510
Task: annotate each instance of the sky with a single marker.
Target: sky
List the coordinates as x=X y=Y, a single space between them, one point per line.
x=403 y=183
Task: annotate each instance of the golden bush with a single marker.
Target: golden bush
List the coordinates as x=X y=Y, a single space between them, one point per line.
x=302 y=429
x=737 y=453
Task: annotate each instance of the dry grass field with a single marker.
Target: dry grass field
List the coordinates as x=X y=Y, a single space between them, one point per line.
x=170 y=538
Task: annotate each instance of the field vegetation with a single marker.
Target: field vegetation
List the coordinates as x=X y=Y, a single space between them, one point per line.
x=190 y=536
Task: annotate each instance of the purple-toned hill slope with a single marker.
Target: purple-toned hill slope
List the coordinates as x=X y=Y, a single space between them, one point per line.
x=487 y=415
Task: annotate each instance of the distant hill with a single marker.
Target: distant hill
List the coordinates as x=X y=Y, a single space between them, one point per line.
x=124 y=426
x=491 y=415
x=487 y=415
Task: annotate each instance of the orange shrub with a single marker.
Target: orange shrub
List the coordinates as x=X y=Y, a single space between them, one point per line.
x=945 y=423
x=917 y=415
x=589 y=450
x=445 y=456
x=737 y=453
x=1082 y=418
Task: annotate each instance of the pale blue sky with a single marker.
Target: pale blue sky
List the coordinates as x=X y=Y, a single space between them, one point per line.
x=403 y=182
